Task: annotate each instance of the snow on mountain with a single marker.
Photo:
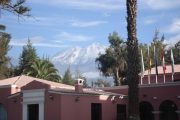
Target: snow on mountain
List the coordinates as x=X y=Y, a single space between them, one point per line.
x=80 y=58
x=67 y=57
x=78 y=55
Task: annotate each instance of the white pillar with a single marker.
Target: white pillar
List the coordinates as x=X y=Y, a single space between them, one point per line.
x=33 y=97
x=25 y=111
x=41 y=111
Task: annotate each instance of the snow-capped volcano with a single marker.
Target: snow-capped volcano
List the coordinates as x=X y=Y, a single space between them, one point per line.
x=78 y=55
x=80 y=58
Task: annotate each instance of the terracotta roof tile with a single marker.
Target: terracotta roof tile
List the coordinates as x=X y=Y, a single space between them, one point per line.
x=168 y=69
x=22 y=80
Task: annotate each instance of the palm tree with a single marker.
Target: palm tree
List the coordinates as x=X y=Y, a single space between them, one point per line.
x=133 y=61
x=45 y=70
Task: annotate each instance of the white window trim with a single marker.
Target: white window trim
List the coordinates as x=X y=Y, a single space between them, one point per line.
x=33 y=97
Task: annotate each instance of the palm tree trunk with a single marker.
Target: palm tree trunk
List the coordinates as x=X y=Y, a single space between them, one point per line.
x=133 y=61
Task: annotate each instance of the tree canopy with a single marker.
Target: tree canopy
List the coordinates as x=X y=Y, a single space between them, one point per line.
x=27 y=58
x=31 y=64
x=44 y=69
x=16 y=7
x=4 y=48
x=113 y=61
x=67 y=78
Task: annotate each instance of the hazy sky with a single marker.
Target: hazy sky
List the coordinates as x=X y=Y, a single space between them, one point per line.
x=59 y=24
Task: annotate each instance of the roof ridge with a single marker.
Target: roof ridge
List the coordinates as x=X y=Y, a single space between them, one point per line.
x=17 y=80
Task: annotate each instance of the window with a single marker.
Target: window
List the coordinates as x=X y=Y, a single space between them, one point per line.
x=3 y=113
x=145 y=109
x=33 y=112
x=121 y=112
x=96 y=111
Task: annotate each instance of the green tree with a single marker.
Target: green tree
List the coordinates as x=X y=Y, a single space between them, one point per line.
x=67 y=78
x=158 y=42
x=16 y=7
x=4 y=48
x=176 y=53
x=113 y=62
x=27 y=58
x=44 y=69
x=133 y=61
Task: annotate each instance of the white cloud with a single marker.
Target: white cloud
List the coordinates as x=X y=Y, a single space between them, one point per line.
x=91 y=74
x=172 y=40
x=38 y=41
x=65 y=36
x=85 y=4
x=106 y=14
x=175 y=26
x=76 y=23
x=149 y=21
x=160 y=4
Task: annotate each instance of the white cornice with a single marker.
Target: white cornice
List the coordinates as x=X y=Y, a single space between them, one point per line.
x=8 y=86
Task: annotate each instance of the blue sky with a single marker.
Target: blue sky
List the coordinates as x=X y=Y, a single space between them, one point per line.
x=59 y=24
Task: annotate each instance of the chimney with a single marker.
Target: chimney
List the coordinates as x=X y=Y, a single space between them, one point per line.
x=79 y=85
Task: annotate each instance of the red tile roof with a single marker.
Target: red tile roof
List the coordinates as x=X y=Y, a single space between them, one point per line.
x=168 y=69
x=23 y=80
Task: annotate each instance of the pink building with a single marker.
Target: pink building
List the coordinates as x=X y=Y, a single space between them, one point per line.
x=28 y=98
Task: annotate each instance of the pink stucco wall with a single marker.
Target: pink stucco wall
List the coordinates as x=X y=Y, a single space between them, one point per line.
x=4 y=93
x=62 y=106
x=15 y=108
x=160 y=78
x=81 y=110
x=162 y=93
x=12 y=105
x=146 y=93
x=52 y=106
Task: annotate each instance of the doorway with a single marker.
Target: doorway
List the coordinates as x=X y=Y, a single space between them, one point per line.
x=121 y=112
x=96 y=111
x=168 y=110
x=33 y=112
x=146 y=109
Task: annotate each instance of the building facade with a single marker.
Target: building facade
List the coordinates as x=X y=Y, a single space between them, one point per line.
x=28 y=98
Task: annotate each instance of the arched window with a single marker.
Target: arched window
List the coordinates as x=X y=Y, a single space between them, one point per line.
x=145 y=109
x=3 y=113
x=168 y=110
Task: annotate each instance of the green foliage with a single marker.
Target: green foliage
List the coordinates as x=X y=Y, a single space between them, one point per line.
x=4 y=48
x=102 y=83
x=176 y=53
x=44 y=69
x=30 y=64
x=158 y=42
x=67 y=78
x=17 y=7
x=113 y=62
x=27 y=58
